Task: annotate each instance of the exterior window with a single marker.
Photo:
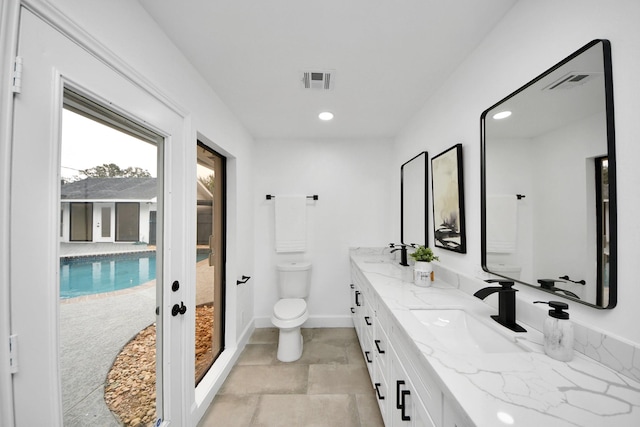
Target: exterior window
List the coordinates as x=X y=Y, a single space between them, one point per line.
x=127 y=222
x=81 y=222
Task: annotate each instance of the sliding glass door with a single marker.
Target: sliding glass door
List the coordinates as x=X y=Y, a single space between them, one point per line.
x=210 y=244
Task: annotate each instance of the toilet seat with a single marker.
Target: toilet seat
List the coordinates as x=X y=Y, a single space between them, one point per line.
x=289 y=308
x=289 y=313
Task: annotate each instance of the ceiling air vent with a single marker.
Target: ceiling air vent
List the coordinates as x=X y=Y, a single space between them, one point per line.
x=322 y=80
x=571 y=80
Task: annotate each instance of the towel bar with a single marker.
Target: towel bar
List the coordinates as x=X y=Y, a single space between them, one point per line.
x=314 y=197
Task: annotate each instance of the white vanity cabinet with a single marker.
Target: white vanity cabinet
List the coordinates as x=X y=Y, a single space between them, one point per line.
x=415 y=399
x=363 y=314
x=403 y=397
x=421 y=380
x=407 y=408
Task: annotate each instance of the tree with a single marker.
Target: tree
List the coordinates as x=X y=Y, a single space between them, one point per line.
x=208 y=182
x=112 y=170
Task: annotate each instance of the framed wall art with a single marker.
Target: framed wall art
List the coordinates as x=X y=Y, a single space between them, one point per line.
x=448 y=200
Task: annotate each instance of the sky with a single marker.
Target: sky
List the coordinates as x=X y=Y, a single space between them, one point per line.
x=87 y=143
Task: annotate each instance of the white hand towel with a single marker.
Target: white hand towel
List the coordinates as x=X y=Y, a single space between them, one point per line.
x=502 y=223
x=291 y=223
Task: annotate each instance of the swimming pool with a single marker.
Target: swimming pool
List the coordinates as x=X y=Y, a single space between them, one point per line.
x=81 y=276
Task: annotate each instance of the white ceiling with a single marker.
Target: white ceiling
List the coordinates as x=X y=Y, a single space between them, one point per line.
x=388 y=56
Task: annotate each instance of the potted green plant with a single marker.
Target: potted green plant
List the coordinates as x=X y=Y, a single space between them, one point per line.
x=423 y=268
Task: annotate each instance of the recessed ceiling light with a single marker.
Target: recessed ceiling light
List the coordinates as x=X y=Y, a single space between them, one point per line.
x=502 y=115
x=325 y=115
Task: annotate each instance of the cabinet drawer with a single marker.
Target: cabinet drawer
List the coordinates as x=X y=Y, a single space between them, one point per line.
x=380 y=346
x=424 y=384
x=384 y=319
x=382 y=392
x=367 y=350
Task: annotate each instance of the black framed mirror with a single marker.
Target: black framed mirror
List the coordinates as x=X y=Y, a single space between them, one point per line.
x=413 y=201
x=548 y=181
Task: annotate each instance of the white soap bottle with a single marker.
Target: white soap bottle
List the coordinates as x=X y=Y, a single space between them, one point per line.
x=558 y=332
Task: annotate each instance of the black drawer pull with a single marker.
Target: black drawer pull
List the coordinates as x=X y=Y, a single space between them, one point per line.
x=399 y=383
x=352 y=286
x=404 y=417
x=366 y=356
x=358 y=293
x=380 y=397
x=367 y=320
x=377 y=342
x=353 y=310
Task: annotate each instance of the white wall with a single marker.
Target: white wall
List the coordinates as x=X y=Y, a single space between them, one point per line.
x=532 y=37
x=353 y=180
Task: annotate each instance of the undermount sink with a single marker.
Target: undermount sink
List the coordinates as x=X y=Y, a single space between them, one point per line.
x=460 y=332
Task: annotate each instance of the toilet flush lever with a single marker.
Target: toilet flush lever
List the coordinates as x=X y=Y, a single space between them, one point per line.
x=178 y=309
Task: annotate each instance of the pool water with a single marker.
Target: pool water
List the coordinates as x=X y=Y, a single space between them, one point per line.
x=106 y=273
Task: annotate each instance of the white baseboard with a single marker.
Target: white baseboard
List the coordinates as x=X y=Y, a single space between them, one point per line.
x=218 y=373
x=312 y=322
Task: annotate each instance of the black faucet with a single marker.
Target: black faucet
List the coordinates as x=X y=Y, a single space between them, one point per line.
x=506 y=303
x=549 y=284
x=403 y=252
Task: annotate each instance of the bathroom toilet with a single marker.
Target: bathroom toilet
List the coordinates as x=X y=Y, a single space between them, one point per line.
x=290 y=312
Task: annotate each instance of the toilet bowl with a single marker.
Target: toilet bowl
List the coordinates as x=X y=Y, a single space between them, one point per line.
x=290 y=312
x=288 y=315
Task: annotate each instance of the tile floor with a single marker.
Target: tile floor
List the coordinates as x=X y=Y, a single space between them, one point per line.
x=328 y=386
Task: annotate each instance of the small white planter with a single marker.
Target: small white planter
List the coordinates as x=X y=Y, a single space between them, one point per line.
x=422 y=273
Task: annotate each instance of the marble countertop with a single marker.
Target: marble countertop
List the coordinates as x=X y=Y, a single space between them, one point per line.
x=526 y=388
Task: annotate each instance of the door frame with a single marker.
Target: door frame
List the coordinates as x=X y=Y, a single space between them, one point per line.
x=220 y=315
x=160 y=115
x=9 y=20
x=234 y=337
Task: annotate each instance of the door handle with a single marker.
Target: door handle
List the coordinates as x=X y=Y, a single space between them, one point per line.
x=178 y=309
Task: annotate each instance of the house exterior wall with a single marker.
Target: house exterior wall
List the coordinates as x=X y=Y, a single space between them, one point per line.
x=144 y=221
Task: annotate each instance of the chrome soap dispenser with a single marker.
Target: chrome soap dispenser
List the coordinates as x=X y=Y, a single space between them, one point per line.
x=558 y=331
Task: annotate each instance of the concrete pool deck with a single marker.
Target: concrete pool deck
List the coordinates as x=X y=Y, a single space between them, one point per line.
x=95 y=328
x=93 y=331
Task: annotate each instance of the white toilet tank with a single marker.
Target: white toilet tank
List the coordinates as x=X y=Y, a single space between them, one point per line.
x=294 y=279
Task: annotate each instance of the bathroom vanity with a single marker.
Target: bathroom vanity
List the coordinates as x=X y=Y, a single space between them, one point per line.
x=436 y=358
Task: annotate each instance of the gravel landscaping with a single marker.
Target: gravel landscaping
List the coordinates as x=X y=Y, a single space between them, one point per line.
x=130 y=387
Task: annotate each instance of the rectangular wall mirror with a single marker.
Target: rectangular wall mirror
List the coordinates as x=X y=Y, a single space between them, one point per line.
x=548 y=200
x=413 y=201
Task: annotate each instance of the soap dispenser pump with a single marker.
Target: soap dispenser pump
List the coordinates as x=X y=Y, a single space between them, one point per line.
x=558 y=331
